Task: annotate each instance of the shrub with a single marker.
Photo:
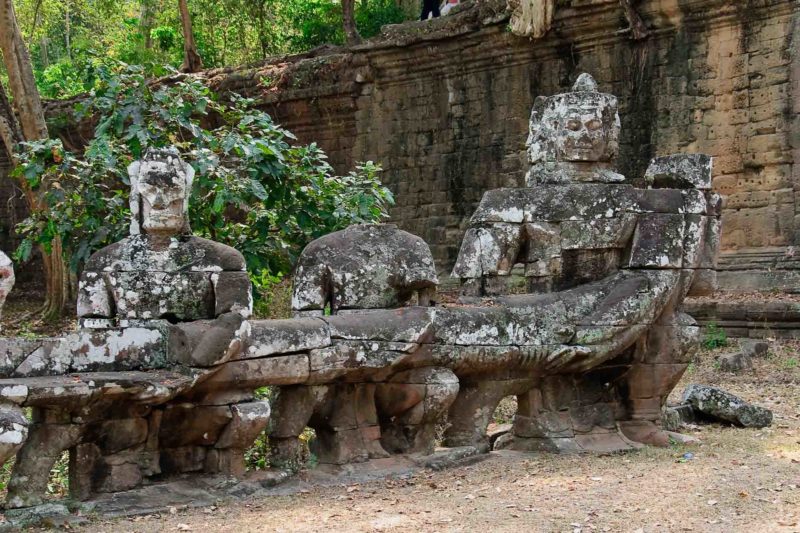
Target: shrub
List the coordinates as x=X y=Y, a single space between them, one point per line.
x=715 y=337
x=253 y=189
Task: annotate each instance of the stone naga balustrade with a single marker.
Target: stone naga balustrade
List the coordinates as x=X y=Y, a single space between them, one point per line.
x=160 y=378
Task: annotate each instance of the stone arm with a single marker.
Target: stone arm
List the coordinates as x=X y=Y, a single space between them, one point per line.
x=94 y=296
x=205 y=343
x=668 y=251
x=629 y=309
x=489 y=250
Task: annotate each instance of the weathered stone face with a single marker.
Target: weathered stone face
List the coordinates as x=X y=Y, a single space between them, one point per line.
x=160 y=188
x=160 y=272
x=581 y=134
x=580 y=127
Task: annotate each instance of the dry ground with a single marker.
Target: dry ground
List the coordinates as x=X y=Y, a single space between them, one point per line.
x=737 y=480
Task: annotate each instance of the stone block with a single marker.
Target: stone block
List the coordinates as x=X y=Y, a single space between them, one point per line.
x=271 y=337
x=658 y=242
x=717 y=404
x=680 y=171
x=254 y=373
x=119 y=478
x=112 y=436
x=232 y=293
x=735 y=362
x=597 y=233
x=754 y=348
x=409 y=324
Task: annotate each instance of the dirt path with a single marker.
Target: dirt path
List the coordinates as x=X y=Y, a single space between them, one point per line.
x=737 y=480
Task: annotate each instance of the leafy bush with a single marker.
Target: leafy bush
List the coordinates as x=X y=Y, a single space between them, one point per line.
x=311 y=23
x=715 y=337
x=253 y=189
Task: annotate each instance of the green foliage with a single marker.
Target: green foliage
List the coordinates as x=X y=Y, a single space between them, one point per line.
x=148 y=33
x=253 y=189
x=791 y=363
x=715 y=337
x=165 y=38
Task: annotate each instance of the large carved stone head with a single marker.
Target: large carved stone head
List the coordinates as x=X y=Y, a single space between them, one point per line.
x=160 y=187
x=581 y=126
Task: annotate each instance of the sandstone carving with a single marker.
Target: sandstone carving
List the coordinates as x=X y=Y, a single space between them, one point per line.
x=716 y=404
x=572 y=293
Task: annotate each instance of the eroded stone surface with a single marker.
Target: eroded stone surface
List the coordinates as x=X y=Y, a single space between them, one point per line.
x=591 y=349
x=721 y=405
x=370 y=266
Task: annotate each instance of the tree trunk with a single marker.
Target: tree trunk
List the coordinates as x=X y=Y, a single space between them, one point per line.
x=43 y=55
x=34 y=22
x=638 y=27
x=349 y=21
x=32 y=127
x=67 y=29
x=146 y=21
x=532 y=18
x=191 y=59
x=10 y=134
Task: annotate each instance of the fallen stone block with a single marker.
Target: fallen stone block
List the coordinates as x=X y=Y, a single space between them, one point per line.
x=717 y=404
x=754 y=348
x=674 y=416
x=735 y=362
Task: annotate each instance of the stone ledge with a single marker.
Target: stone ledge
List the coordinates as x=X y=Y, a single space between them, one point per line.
x=748 y=318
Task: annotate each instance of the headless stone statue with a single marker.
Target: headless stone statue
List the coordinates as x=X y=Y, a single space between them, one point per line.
x=622 y=259
x=366 y=266
x=371 y=410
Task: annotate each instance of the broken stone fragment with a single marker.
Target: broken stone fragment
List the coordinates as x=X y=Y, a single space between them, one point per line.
x=754 y=348
x=680 y=171
x=204 y=343
x=717 y=404
x=367 y=266
x=735 y=362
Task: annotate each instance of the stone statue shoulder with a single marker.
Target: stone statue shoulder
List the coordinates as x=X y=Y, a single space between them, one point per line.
x=554 y=203
x=184 y=253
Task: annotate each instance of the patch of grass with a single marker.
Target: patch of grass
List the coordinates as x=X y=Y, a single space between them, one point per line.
x=58 y=484
x=715 y=337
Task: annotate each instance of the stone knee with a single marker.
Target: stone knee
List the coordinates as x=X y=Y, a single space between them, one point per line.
x=660 y=361
x=293 y=408
x=473 y=408
x=411 y=404
x=346 y=424
x=227 y=456
x=51 y=433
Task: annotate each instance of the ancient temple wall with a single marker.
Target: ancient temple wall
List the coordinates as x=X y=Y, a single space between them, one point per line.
x=447 y=117
x=443 y=106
